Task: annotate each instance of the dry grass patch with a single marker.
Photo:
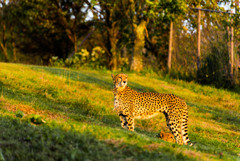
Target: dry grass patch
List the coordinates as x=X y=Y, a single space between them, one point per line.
x=28 y=110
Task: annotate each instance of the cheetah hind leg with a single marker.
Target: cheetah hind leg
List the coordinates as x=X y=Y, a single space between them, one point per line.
x=175 y=127
x=184 y=130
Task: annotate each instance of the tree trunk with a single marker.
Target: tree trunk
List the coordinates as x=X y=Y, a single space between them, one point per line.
x=75 y=43
x=112 y=40
x=113 y=32
x=237 y=55
x=14 y=52
x=70 y=31
x=3 y=43
x=4 y=49
x=199 y=41
x=14 y=48
x=232 y=51
x=139 y=42
x=170 y=47
x=138 y=36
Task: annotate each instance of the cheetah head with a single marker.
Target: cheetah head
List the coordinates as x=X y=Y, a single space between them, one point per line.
x=120 y=81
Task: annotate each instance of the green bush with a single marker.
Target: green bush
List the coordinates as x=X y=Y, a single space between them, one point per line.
x=94 y=59
x=215 y=69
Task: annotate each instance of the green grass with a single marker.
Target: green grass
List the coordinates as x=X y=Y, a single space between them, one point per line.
x=79 y=123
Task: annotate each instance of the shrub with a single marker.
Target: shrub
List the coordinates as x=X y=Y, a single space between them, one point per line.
x=94 y=59
x=215 y=69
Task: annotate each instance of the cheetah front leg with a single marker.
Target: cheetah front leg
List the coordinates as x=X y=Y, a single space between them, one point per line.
x=127 y=122
x=123 y=121
x=130 y=122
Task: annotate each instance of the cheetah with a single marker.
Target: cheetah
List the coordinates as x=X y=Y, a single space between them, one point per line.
x=131 y=105
x=166 y=136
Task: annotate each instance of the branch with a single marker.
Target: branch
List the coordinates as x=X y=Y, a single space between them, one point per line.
x=88 y=35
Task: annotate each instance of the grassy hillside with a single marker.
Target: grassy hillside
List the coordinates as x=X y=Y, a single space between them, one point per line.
x=60 y=114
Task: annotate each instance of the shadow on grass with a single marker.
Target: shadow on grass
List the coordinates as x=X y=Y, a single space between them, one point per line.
x=80 y=110
x=81 y=77
x=220 y=115
x=77 y=76
x=204 y=144
x=23 y=141
x=141 y=88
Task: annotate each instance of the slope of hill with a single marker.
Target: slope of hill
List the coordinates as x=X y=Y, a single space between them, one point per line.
x=60 y=114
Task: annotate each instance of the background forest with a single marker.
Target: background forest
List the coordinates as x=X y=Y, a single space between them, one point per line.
x=123 y=35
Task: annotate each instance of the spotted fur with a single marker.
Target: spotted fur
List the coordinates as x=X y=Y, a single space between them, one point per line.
x=131 y=105
x=167 y=137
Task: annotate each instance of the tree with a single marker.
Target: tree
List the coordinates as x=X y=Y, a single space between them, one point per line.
x=47 y=29
x=3 y=30
x=110 y=12
x=161 y=15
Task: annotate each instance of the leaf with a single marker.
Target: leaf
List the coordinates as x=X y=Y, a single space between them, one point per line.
x=1 y=156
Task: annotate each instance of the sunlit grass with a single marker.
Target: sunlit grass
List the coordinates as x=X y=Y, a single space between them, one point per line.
x=80 y=103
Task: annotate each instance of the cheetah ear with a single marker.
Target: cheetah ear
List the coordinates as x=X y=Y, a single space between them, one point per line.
x=161 y=134
x=112 y=76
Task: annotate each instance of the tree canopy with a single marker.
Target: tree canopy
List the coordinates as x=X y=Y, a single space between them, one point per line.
x=116 y=34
